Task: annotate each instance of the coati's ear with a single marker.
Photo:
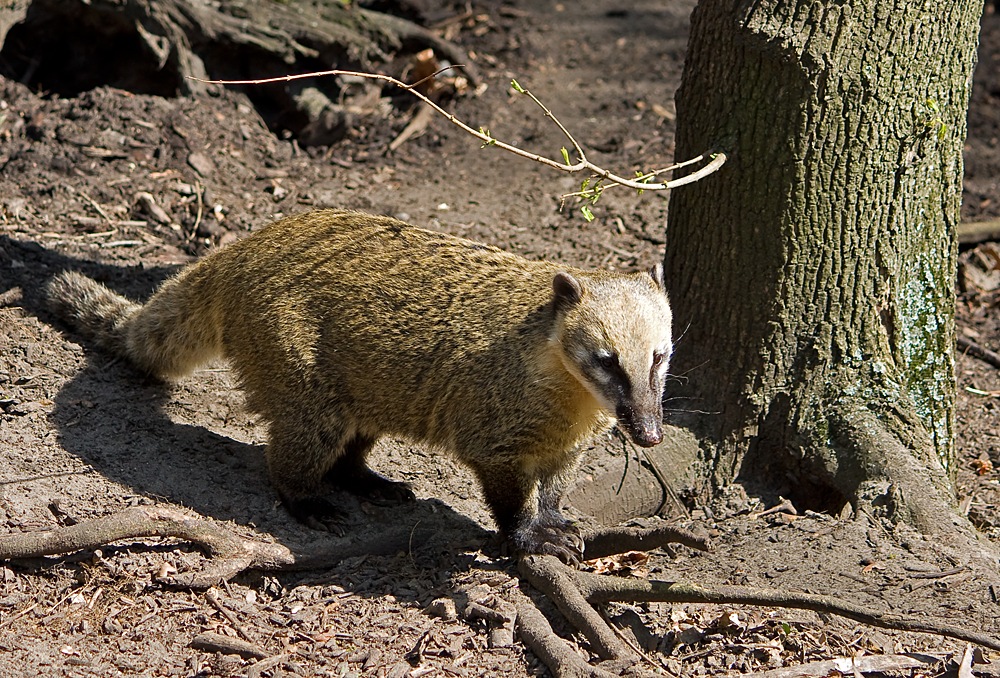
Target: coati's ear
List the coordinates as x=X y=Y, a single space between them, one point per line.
x=567 y=290
x=656 y=273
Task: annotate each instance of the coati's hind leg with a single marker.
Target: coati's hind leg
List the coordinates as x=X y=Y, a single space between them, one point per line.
x=527 y=512
x=297 y=458
x=306 y=457
x=351 y=473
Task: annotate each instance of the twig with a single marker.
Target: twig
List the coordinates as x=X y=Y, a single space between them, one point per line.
x=965 y=666
x=266 y=664
x=28 y=609
x=936 y=575
x=630 y=642
x=198 y=189
x=847 y=666
x=784 y=506
x=100 y=210
x=115 y=224
x=416 y=126
x=661 y=477
x=718 y=158
x=976 y=351
x=17 y=616
x=213 y=599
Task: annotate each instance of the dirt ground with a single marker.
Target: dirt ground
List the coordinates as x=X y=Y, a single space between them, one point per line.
x=83 y=435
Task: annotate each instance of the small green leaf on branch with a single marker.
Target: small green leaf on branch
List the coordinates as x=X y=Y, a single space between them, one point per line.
x=644 y=178
x=489 y=140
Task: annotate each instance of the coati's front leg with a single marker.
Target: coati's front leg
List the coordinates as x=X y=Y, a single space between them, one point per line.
x=527 y=511
x=550 y=496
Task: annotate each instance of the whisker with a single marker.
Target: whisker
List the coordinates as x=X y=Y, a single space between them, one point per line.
x=683 y=375
x=681 y=335
x=683 y=411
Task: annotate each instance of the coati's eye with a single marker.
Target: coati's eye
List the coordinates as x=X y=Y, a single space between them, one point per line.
x=606 y=360
x=658 y=359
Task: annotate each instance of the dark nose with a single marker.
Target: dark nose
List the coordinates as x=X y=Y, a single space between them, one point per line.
x=643 y=425
x=646 y=433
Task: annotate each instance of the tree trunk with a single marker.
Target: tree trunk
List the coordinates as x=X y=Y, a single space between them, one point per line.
x=813 y=278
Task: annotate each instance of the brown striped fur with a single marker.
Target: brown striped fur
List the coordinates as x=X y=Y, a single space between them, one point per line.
x=343 y=327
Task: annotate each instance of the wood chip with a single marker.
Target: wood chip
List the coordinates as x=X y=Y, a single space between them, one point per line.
x=216 y=642
x=201 y=164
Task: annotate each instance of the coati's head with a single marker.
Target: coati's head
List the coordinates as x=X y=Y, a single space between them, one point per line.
x=614 y=335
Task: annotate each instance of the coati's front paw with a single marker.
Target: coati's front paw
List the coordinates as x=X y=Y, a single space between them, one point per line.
x=562 y=540
x=317 y=513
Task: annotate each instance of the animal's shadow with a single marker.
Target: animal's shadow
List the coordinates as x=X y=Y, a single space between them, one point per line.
x=115 y=419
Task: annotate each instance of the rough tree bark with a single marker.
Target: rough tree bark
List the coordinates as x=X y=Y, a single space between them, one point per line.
x=813 y=277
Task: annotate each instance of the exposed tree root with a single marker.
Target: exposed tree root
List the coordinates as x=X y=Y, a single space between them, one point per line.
x=886 y=464
x=230 y=554
x=610 y=541
x=574 y=592
x=555 y=653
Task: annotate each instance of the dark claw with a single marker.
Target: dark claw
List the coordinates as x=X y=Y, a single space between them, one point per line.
x=561 y=540
x=566 y=554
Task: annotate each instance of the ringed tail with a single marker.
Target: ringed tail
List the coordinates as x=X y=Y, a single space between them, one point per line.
x=169 y=336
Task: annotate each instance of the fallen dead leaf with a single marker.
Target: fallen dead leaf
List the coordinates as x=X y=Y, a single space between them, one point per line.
x=632 y=562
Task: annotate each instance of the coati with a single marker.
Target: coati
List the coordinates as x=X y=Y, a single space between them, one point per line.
x=343 y=327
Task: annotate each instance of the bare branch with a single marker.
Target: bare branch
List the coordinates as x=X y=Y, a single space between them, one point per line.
x=575 y=593
x=718 y=158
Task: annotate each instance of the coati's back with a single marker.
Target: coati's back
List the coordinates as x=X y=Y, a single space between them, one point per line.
x=417 y=333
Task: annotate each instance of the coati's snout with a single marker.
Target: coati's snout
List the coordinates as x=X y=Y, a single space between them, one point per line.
x=645 y=429
x=616 y=338
x=638 y=403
